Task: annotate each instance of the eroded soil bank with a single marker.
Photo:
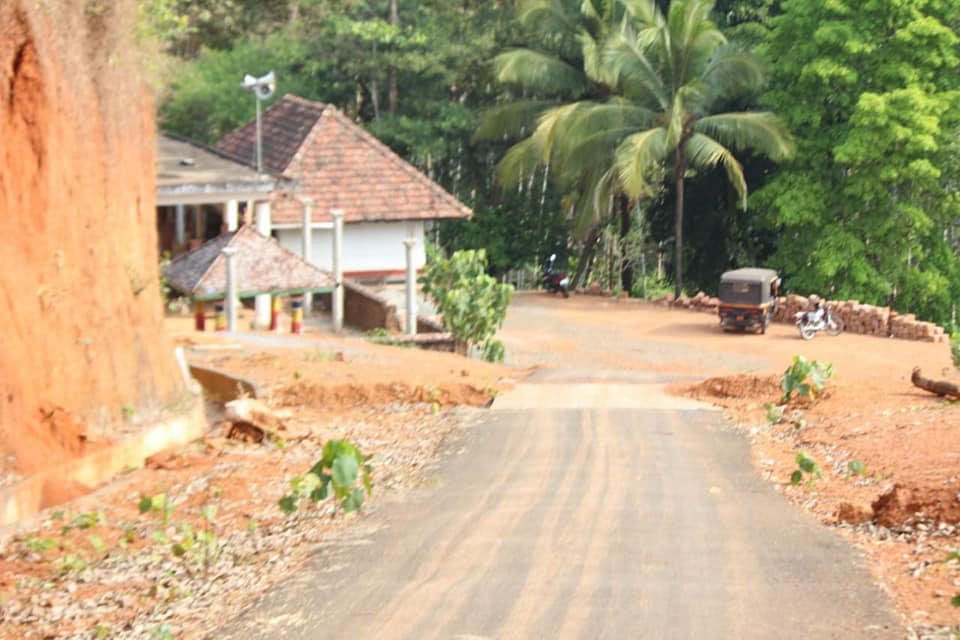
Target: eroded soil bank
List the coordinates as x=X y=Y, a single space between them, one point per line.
x=82 y=344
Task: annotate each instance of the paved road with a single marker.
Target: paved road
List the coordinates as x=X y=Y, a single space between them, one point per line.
x=585 y=504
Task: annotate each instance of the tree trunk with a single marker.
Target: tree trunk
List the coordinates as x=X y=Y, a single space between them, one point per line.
x=939 y=387
x=679 y=168
x=375 y=89
x=392 y=91
x=585 y=254
x=626 y=268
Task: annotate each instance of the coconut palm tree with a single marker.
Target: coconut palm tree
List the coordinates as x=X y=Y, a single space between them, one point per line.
x=664 y=77
x=680 y=68
x=560 y=67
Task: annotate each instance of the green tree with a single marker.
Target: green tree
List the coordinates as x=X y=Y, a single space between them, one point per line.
x=868 y=209
x=557 y=67
x=669 y=72
x=472 y=304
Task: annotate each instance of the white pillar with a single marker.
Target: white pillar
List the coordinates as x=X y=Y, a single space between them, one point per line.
x=305 y=241
x=180 y=227
x=231 y=301
x=232 y=215
x=262 y=301
x=337 y=215
x=411 y=288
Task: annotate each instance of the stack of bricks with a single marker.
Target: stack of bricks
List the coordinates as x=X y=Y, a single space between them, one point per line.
x=865 y=319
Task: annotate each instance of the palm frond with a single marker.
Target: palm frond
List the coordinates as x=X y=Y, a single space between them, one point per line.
x=758 y=130
x=520 y=161
x=637 y=158
x=511 y=119
x=548 y=16
x=705 y=152
x=733 y=72
x=629 y=63
x=644 y=12
x=589 y=134
x=550 y=128
x=538 y=72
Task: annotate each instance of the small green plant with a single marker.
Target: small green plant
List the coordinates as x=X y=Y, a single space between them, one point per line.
x=129 y=411
x=805 y=465
x=97 y=544
x=318 y=355
x=856 y=468
x=163 y=632
x=89 y=520
x=805 y=378
x=39 y=545
x=297 y=375
x=160 y=504
x=70 y=563
x=336 y=475
x=954 y=557
x=379 y=335
x=774 y=413
x=102 y=632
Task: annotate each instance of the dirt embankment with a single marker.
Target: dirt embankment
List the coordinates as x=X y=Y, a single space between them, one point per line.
x=82 y=335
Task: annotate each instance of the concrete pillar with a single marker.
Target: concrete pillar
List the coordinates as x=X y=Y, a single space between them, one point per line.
x=305 y=241
x=229 y=253
x=180 y=228
x=337 y=215
x=411 y=288
x=262 y=301
x=231 y=215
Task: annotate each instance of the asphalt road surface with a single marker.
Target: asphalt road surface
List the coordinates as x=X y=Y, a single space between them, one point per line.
x=586 y=503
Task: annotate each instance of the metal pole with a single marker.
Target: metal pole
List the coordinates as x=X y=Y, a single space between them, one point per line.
x=262 y=301
x=180 y=229
x=337 y=215
x=259 y=158
x=229 y=253
x=408 y=243
x=307 y=233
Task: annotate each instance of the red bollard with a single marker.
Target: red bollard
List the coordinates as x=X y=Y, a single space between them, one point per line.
x=199 y=317
x=296 y=315
x=276 y=305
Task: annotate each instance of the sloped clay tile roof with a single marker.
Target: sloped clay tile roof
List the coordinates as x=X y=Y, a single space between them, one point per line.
x=262 y=266
x=283 y=129
x=340 y=166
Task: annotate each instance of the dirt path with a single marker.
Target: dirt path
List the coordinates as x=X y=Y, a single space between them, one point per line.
x=586 y=509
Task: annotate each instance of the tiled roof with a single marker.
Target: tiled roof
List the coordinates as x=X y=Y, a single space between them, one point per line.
x=262 y=266
x=340 y=166
x=283 y=128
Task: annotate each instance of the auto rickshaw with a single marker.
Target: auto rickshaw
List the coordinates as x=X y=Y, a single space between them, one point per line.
x=748 y=299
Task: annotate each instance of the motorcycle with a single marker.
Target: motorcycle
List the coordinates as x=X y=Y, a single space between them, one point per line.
x=555 y=281
x=820 y=319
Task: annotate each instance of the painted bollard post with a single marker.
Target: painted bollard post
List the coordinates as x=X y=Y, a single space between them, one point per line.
x=275 y=307
x=199 y=316
x=221 y=324
x=296 y=315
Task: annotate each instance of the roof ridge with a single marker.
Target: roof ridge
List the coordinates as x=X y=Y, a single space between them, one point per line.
x=394 y=157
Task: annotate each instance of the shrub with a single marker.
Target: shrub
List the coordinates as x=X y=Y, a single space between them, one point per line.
x=472 y=303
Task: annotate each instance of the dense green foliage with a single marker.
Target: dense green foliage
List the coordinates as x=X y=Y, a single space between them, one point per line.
x=472 y=304
x=868 y=209
x=867 y=89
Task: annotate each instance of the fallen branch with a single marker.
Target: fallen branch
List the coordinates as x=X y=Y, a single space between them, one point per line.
x=939 y=387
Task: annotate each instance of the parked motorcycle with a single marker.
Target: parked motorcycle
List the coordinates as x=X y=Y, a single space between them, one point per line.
x=554 y=281
x=820 y=319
